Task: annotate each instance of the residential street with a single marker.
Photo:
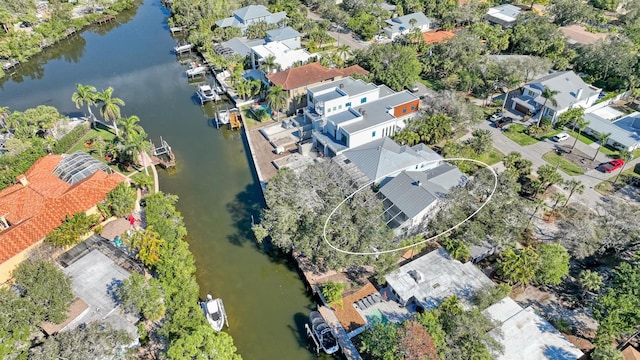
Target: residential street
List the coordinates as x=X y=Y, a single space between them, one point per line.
x=535 y=151
x=346 y=37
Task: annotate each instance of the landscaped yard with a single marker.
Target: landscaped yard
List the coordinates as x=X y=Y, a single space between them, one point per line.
x=108 y=135
x=516 y=133
x=565 y=165
x=607 y=187
x=491 y=157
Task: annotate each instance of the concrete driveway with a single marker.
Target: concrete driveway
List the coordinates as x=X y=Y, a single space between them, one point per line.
x=535 y=151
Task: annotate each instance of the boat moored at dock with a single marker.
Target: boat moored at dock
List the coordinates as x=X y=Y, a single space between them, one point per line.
x=195 y=69
x=179 y=49
x=321 y=334
x=207 y=93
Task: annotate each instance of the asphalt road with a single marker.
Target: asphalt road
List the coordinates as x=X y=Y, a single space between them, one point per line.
x=535 y=151
x=345 y=36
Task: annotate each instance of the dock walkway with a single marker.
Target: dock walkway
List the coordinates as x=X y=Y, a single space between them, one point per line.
x=346 y=346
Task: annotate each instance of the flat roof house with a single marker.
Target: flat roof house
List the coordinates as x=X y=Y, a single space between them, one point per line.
x=347 y=113
x=251 y=14
x=402 y=25
x=284 y=56
x=54 y=187
x=504 y=15
x=571 y=90
x=525 y=335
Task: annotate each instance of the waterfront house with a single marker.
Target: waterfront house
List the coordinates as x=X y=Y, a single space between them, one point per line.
x=296 y=80
x=54 y=187
x=424 y=283
x=347 y=113
x=411 y=180
x=402 y=25
x=504 y=15
x=285 y=35
x=251 y=14
x=571 y=90
x=284 y=56
x=242 y=46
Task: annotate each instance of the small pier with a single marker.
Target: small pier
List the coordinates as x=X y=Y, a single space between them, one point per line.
x=176 y=29
x=162 y=155
x=105 y=19
x=230 y=117
x=184 y=48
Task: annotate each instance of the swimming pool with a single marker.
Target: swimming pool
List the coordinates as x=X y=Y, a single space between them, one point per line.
x=376 y=316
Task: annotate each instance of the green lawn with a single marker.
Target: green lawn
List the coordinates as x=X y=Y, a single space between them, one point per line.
x=584 y=138
x=565 y=165
x=491 y=157
x=550 y=134
x=516 y=133
x=108 y=135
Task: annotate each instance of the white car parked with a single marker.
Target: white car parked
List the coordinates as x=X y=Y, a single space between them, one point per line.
x=560 y=137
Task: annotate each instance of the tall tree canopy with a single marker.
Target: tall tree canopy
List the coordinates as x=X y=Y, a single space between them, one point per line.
x=392 y=64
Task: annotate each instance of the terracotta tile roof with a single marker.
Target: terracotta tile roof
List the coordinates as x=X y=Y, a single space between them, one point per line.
x=437 y=36
x=305 y=75
x=348 y=316
x=578 y=34
x=41 y=206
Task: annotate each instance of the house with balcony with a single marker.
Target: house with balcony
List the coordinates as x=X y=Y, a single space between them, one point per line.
x=296 y=80
x=251 y=14
x=402 y=25
x=347 y=113
x=571 y=91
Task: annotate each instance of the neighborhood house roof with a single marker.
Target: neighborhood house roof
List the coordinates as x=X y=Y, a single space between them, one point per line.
x=284 y=56
x=349 y=86
x=625 y=131
x=283 y=33
x=308 y=74
x=402 y=23
x=526 y=335
x=383 y=157
x=252 y=12
x=432 y=37
x=432 y=278
x=505 y=14
x=578 y=35
x=570 y=87
x=41 y=201
x=376 y=112
x=238 y=45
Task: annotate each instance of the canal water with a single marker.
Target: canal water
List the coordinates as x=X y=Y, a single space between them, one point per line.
x=265 y=299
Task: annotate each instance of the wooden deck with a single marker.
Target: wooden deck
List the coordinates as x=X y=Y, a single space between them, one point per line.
x=105 y=19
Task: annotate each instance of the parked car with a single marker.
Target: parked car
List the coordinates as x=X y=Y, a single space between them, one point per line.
x=503 y=122
x=612 y=165
x=413 y=88
x=496 y=117
x=560 y=137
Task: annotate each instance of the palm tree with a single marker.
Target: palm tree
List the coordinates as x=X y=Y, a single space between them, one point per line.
x=538 y=204
x=85 y=94
x=138 y=145
x=110 y=109
x=573 y=186
x=269 y=64
x=412 y=22
x=580 y=124
x=344 y=51
x=130 y=128
x=557 y=198
x=625 y=155
x=602 y=139
x=549 y=96
x=407 y=137
x=276 y=97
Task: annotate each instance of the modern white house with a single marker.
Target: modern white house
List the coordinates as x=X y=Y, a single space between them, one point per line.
x=411 y=180
x=571 y=91
x=347 y=113
x=402 y=25
x=284 y=56
x=624 y=129
x=251 y=14
x=504 y=15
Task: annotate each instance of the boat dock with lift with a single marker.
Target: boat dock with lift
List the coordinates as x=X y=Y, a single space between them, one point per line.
x=162 y=155
x=231 y=117
x=179 y=49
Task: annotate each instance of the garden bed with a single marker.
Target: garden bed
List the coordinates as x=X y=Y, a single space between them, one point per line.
x=564 y=164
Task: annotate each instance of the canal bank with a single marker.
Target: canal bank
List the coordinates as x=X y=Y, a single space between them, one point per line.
x=264 y=297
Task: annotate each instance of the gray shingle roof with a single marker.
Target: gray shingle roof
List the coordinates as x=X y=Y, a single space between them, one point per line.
x=567 y=83
x=241 y=45
x=283 y=33
x=403 y=22
x=375 y=112
x=252 y=12
x=383 y=156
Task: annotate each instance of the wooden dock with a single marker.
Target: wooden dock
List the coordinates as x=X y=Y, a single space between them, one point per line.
x=163 y=155
x=105 y=19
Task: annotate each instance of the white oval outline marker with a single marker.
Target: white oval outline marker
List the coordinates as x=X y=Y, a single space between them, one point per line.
x=324 y=228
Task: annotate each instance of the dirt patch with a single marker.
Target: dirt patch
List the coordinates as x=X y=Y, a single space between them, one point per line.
x=576 y=157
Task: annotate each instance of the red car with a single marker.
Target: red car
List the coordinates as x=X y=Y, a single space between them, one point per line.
x=612 y=165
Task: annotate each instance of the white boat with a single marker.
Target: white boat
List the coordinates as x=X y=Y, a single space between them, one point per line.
x=183 y=48
x=206 y=93
x=214 y=312
x=195 y=68
x=321 y=334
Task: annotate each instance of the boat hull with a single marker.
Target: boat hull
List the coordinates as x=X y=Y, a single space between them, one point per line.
x=214 y=313
x=322 y=333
